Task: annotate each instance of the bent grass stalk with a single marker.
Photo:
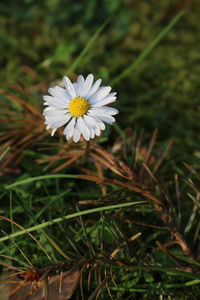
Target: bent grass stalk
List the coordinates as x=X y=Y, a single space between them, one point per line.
x=67 y=217
x=43 y=177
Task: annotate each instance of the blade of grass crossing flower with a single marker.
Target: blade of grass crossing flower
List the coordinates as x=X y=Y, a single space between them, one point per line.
x=67 y=217
x=90 y=43
x=148 y=50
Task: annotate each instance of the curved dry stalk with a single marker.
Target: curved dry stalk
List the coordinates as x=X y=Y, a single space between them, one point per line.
x=22 y=228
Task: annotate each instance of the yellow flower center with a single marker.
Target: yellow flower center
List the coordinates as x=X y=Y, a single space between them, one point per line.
x=78 y=106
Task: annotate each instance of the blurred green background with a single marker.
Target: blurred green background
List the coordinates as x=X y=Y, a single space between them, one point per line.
x=40 y=40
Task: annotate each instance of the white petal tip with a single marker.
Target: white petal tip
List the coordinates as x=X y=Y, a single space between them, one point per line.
x=53 y=132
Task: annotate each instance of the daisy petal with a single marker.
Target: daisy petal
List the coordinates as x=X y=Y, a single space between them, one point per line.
x=61 y=122
x=100 y=123
x=59 y=93
x=75 y=85
x=53 y=131
x=89 y=121
x=54 y=112
x=97 y=131
x=104 y=110
x=93 y=89
x=76 y=135
x=63 y=92
x=109 y=99
x=55 y=102
x=69 y=86
x=69 y=129
x=81 y=125
x=107 y=119
x=80 y=85
x=87 y=85
x=92 y=134
x=100 y=94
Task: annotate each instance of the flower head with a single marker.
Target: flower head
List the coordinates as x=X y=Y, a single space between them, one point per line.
x=80 y=106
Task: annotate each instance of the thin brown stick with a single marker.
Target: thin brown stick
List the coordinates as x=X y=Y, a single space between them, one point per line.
x=168 y=221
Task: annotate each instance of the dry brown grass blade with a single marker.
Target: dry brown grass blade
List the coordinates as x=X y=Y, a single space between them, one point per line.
x=105 y=154
x=164 y=154
x=178 y=196
x=6 y=136
x=130 y=186
x=107 y=164
x=22 y=129
x=87 y=171
x=171 y=243
x=117 y=163
x=64 y=154
x=10 y=267
x=149 y=151
x=191 y=184
x=17 y=88
x=5 y=104
x=30 y=72
x=177 y=260
x=20 y=150
x=65 y=164
x=97 y=179
x=145 y=167
x=131 y=239
x=166 y=251
x=146 y=225
x=18 y=153
x=26 y=138
x=190 y=268
x=51 y=159
x=194 y=172
x=137 y=149
x=100 y=174
x=156 y=181
x=28 y=106
x=128 y=171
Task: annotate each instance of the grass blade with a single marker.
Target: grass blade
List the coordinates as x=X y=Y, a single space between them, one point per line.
x=146 y=52
x=86 y=49
x=67 y=217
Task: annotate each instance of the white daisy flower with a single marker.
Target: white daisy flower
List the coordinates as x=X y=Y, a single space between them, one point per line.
x=81 y=107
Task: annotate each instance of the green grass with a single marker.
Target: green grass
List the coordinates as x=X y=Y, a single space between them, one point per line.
x=133 y=246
